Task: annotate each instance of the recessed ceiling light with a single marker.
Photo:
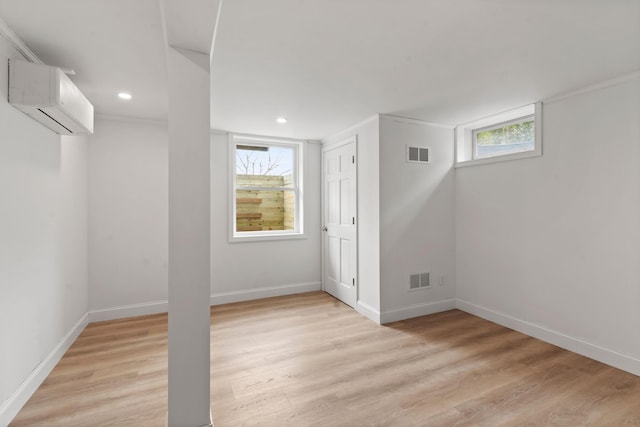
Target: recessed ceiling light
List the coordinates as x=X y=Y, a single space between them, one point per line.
x=281 y=120
x=124 y=95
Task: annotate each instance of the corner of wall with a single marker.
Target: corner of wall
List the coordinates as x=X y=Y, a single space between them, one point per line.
x=595 y=352
x=49 y=285
x=368 y=311
x=22 y=394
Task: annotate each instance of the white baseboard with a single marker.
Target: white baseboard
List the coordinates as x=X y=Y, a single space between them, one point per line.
x=259 y=293
x=609 y=357
x=417 y=310
x=132 y=310
x=156 y=307
x=368 y=311
x=16 y=401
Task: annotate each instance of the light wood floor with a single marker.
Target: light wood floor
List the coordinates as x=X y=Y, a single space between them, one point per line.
x=308 y=360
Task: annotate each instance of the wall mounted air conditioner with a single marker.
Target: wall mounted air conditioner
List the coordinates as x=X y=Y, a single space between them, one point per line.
x=47 y=95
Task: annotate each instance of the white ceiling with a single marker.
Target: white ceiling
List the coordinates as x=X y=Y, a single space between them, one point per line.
x=113 y=45
x=327 y=64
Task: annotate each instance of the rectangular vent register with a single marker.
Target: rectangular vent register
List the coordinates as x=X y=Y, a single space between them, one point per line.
x=418 y=281
x=417 y=154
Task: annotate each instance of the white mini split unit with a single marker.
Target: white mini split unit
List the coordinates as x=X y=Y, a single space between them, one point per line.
x=47 y=95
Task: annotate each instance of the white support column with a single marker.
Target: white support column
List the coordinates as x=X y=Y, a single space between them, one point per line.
x=189 y=262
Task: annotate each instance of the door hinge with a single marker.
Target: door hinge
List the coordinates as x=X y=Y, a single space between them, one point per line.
x=353 y=159
x=353 y=281
x=353 y=220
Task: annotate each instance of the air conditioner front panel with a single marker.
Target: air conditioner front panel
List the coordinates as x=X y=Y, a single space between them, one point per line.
x=48 y=96
x=74 y=103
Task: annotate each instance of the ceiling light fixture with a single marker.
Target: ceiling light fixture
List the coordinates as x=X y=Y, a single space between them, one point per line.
x=124 y=95
x=281 y=120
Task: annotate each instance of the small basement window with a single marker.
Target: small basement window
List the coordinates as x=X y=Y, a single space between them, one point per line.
x=265 y=181
x=515 y=134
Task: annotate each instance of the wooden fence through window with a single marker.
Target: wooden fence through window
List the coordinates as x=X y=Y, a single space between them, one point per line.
x=260 y=210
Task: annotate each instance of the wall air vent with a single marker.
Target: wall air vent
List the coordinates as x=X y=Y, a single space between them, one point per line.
x=424 y=280
x=419 y=281
x=414 y=281
x=417 y=154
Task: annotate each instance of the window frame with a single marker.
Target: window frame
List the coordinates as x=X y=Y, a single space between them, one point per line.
x=465 y=136
x=519 y=120
x=236 y=140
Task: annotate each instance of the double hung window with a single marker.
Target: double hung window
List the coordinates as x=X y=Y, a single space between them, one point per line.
x=266 y=188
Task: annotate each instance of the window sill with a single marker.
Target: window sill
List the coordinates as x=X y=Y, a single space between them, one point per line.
x=267 y=237
x=496 y=159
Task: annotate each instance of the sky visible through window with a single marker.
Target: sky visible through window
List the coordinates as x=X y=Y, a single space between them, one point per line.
x=272 y=160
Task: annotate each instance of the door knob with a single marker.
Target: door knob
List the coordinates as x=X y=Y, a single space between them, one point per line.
x=325 y=228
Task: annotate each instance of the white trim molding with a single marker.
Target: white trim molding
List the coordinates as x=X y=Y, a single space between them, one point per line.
x=368 y=311
x=22 y=394
x=411 y=121
x=465 y=141
x=260 y=293
x=157 y=307
x=298 y=159
x=131 y=119
x=593 y=87
x=350 y=130
x=593 y=351
x=132 y=310
x=416 y=310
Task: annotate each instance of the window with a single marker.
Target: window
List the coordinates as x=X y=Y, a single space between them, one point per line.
x=266 y=196
x=514 y=134
x=511 y=137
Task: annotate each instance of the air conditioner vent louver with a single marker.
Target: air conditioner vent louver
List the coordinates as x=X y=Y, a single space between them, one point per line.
x=417 y=154
x=57 y=122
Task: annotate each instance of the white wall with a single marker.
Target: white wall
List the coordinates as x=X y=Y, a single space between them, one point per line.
x=405 y=217
x=261 y=269
x=551 y=245
x=128 y=226
x=368 y=153
x=128 y=215
x=43 y=243
x=416 y=218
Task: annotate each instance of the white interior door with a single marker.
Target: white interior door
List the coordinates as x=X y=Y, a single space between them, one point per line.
x=339 y=217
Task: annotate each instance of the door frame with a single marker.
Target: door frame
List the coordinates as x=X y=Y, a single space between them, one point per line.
x=327 y=147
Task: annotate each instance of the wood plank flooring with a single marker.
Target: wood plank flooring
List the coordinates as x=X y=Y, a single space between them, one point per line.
x=309 y=360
